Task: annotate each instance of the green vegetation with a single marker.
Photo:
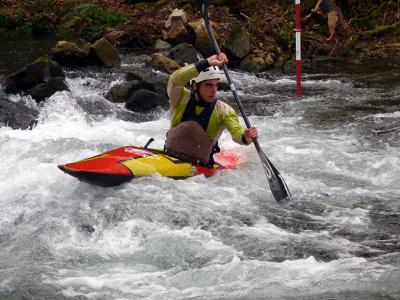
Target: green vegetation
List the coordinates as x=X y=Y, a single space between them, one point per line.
x=383 y=30
x=47 y=18
x=269 y=22
x=89 y=21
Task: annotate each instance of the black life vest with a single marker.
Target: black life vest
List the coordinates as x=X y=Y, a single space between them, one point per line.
x=190 y=111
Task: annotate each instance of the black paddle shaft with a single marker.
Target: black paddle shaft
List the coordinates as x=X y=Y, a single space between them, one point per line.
x=276 y=182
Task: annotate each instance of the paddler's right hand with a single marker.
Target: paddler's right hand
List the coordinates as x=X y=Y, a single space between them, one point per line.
x=250 y=134
x=218 y=60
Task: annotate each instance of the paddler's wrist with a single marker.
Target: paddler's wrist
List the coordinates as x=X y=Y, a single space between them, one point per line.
x=245 y=141
x=202 y=65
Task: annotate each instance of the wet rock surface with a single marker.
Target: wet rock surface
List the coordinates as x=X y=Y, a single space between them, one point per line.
x=17 y=115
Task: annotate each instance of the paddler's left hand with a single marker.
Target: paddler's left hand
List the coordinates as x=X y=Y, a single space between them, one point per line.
x=250 y=134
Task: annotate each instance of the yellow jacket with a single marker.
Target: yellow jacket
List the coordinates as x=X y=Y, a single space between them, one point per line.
x=222 y=117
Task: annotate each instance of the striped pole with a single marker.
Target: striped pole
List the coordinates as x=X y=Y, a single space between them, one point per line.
x=298 y=48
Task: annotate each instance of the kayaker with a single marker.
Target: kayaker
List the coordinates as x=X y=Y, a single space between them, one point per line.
x=197 y=118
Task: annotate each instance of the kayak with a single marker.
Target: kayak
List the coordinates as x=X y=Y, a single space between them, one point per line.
x=120 y=165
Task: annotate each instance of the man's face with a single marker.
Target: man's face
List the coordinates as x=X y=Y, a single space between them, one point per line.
x=208 y=89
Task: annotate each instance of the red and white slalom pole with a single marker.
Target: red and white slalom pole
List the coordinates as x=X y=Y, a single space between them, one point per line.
x=298 y=48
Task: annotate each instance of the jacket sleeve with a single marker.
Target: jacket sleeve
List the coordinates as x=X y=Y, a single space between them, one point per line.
x=231 y=121
x=177 y=81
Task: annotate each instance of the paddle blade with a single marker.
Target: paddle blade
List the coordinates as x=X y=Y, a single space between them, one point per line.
x=277 y=184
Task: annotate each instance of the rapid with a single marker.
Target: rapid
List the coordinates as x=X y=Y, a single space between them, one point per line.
x=224 y=237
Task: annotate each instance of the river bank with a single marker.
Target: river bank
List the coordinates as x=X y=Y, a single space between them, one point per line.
x=374 y=29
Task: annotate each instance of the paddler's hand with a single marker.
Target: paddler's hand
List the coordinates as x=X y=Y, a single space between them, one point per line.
x=218 y=60
x=250 y=134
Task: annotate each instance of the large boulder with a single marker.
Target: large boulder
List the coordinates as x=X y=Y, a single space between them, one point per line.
x=163 y=63
x=145 y=101
x=253 y=64
x=120 y=93
x=237 y=43
x=17 y=115
x=184 y=54
x=33 y=74
x=159 y=81
x=105 y=54
x=176 y=31
x=48 y=88
x=203 y=43
x=39 y=79
x=69 y=54
x=177 y=14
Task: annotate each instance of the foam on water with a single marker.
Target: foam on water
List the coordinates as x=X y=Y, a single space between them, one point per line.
x=218 y=238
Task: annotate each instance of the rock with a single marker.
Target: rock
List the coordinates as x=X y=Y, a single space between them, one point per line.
x=383 y=30
x=268 y=59
x=237 y=42
x=160 y=85
x=136 y=75
x=38 y=72
x=134 y=59
x=184 y=53
x=115 y=37
x=46 y=89
x=164 y=63
x=105 y=54
x=145 y=101
x=177 y=14
x=17 y=115
x=202 y=42
x=253 y=64
x=162 y=45
x=40 y=79
x=69 y=54
x=178 y=33
x=159 y=81
x=121 y=92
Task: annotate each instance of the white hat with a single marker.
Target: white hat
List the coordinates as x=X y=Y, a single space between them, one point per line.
x=211 y=73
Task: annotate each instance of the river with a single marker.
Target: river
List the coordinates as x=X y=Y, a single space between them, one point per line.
x=211 y=238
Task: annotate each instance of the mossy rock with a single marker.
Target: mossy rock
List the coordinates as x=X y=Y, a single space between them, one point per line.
x=105 y=54
x=45 y=90
x=145 y=101
x=120 y=93
x=164 y=63
x=237 y=42
x=184 y=53
x=383 y=30
x=253 y=64
x=69 y=54
x=33 y=74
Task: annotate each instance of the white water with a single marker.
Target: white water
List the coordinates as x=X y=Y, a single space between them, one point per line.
x=217 y=238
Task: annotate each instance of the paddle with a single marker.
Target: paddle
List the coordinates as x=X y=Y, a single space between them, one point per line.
x=276 y=183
